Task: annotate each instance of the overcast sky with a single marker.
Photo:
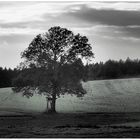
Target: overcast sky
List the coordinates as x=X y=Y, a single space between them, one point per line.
x=113 y=28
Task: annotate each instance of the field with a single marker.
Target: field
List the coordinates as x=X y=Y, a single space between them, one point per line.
x=111 y=108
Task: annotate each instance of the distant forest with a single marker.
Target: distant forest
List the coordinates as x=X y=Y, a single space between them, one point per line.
x=6 y=76
x=108 y=70
x=113 y=69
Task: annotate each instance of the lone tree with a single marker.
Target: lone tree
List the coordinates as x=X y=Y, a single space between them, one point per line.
x=52 y=65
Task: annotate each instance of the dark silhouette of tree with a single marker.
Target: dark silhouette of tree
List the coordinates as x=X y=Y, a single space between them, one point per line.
x=6 y=76
x=108 y=70
x=112 y=69
x=53 y=65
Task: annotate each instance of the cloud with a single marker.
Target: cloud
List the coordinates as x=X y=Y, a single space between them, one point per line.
x=26 y=12
x=108 y=25
x=111 y=13
x=16 y=41
x=35 y=17
x=131 y=33
x=31 y=11
x=106 y=16
x=19 y=31
x=114 y=5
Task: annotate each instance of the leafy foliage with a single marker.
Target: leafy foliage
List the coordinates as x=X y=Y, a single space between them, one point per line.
x=6 y=76
x=53 y=63
x=109 y=69
x=112 y=69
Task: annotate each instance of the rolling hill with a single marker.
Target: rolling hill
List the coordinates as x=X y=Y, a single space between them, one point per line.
x=120 y=95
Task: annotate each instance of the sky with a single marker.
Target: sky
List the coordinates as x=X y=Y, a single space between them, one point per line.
x=112 y=27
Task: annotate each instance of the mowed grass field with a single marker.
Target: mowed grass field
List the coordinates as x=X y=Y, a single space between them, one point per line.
x=121 y=95
x=110 y=109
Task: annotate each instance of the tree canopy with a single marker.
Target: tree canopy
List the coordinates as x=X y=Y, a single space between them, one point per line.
x=53 y=63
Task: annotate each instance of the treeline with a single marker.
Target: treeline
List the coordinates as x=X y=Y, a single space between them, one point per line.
x=6 y=76
x=113 y=69
x=108 y=70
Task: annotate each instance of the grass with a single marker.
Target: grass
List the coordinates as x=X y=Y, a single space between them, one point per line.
x=70 y=125
x=120 y=95
x=110 y=109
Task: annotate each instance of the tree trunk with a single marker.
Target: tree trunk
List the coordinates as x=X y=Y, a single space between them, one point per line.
x=53 y=110
x=50 y=105
x=54 y=81
x=51 y=101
